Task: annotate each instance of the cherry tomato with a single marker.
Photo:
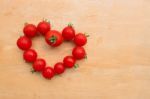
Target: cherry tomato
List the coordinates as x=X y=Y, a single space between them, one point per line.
x=24 y=43
x=30 y=55
x=43 y=27
x=59 y=68
x=68 y=33
x=48 y=72
x=79 y=52
x=80 y=39
x=39 y=64
x=53 y=38
x=30 y=30
x=69 y=61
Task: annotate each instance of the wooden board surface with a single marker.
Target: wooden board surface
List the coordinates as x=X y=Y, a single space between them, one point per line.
x=118 y=64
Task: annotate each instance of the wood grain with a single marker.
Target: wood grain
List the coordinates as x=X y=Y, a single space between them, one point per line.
x=118 y=64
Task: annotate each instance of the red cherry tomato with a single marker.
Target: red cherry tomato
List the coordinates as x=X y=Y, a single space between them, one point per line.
x=68 y=33
x=53 y=38
x=48 y=72
x=80 y=39
x=30 y=30
x=43 y=27
x=79 y=52
x=59 y=68
x=69 y=61
x=39 y=64
x=30 y=55
x=24 y=43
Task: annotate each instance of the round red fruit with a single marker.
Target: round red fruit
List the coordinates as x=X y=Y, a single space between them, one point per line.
x=39 y=64
x=68 y=33
x=43 y=27
x=48 y=72
x=54 y=38
x=69 y=61
x=59 y=68
x=24 y=43
x=30 y=30
x=80 y=39
x=79 y=52
x=30 y=55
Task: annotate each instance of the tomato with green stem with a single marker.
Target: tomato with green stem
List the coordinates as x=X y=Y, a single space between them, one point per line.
x=80 y=39
x=68 y=32
x=43 y=27
x=54 y=38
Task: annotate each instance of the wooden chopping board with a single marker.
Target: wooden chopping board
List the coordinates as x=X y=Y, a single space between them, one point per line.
x=118 y=64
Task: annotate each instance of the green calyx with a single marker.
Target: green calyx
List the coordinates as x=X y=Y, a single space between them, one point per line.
x=46 y=20
x=76 y=65
x=33 y=71
x=86 y=34
x=53 y=39
x=85 y=56
x=70 y=24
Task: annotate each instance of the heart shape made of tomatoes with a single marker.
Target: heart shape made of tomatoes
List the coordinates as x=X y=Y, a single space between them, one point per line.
x=54 y=38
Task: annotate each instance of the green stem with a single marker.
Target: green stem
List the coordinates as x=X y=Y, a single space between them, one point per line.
x=53 y=39
x=46 y=20
x=70 y=24
x=33 y=71
x=76 y=65
x=85 y=57
x=86 y=34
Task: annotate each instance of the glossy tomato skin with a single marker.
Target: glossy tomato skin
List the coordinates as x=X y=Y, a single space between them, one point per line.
x=68 y=33
x=30 y=55
x=59 y=68
x=79 y=52
x=54 y=38
x=80 y=39
x=69 y=61
x=48 y=72
x=30 y=30
x=43 y=27
x=39 y=64
x=24 y=43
